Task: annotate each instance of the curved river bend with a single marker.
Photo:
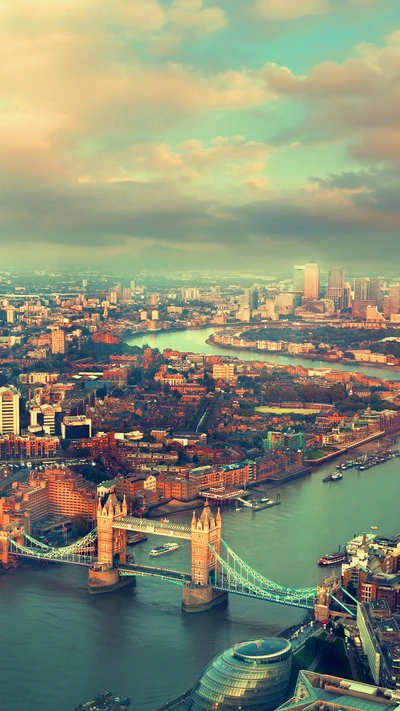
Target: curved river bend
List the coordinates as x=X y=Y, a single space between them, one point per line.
x=60 y=646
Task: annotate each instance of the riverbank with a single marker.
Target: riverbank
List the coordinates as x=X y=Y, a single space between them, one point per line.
x=344 y=450
x=326 y=362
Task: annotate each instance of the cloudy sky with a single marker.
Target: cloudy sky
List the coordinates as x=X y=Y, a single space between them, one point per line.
x=231 y=134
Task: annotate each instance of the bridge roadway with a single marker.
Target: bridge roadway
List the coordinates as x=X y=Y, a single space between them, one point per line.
x=142 y=525
x=175 y=576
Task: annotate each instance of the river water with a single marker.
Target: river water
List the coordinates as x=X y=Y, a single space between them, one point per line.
x=60 y=646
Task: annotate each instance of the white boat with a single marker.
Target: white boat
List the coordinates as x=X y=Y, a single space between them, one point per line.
x=165 y=520
x=165 y=548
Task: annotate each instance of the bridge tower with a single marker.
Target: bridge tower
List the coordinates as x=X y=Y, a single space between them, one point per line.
x=198 y=595
x=103 y=576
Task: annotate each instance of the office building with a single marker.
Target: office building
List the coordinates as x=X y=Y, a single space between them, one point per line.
x=76 y=427
x=250 y=675
x=394 y=299
x=45 y=418
x=9 y=411
x=311 y=281
x=374 y=290
x=335 y=290
x=331 y=693
x=254 y=298
x=298 y=279
x=57 y=341
x=361 y=286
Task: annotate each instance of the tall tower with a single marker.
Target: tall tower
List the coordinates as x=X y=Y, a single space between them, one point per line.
x=361 y=285
x=111 y=541
x=298 y=279
x=335 y=290
x=205 y=531
x=311 y=281
x=9 y=410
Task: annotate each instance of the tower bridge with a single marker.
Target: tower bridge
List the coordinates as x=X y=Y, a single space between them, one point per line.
x=215 y=571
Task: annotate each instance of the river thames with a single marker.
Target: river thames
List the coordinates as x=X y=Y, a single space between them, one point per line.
x=60 y=646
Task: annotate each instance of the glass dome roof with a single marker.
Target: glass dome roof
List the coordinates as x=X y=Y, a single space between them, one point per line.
x=251 y=676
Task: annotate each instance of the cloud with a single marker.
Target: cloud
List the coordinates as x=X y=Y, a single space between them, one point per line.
x=352 y=78
x=191 y=16
x=289 y=9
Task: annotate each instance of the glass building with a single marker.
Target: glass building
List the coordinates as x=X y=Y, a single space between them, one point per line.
x=251 y=676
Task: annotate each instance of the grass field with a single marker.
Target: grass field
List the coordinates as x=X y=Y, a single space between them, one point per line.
x=287 y=410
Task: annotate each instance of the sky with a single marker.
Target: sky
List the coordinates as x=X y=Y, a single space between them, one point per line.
x=192 y=134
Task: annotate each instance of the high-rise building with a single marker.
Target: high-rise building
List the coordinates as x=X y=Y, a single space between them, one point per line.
x=335 y=290
x=374 y=290
x=361 y=285
x=84 y=283
x=254 y=298
x=57 y=341
x=298 y=279
x=311 y=281
x=394 y=299
x=132 y=286
x=9 y=411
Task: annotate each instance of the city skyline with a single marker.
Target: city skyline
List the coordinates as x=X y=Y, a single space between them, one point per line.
x=189 y=132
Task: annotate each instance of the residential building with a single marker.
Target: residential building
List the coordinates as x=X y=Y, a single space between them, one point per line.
x=57 y=341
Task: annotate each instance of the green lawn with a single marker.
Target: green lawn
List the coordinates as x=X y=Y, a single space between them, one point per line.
x=316 y=453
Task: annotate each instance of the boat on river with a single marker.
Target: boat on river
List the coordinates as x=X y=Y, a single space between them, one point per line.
x=335 y=476
x=162 y=550
x=135 y=538
x=333 y=558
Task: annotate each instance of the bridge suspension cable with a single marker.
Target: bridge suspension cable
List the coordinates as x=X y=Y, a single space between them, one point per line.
x=80 y=553
x=242 y=580
x=262 y=580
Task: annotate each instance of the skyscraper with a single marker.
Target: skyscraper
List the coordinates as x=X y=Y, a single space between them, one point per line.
x=298 y=279
x=254 y=298
x=394 y=299
x=374 y=290
x=361 y=285
x=311 y=281
x=335 y=290
x=9 y=410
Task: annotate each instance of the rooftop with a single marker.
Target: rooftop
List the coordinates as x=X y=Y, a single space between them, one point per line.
x=312 y=688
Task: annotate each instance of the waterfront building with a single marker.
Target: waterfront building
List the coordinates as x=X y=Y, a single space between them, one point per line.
x=311 y=281
x=251 y=676
x=331 y=693
x=9 y=411
x=50 y=496
x=380 y=638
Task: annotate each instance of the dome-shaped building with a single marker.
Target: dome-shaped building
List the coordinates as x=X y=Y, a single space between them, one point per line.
x=251 y=676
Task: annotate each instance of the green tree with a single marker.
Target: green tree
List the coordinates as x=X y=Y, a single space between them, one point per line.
x=80 y=525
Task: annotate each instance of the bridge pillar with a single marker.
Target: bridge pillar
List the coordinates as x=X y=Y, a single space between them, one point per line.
x=198 y=595
x=103 y=575
x=322 y=604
